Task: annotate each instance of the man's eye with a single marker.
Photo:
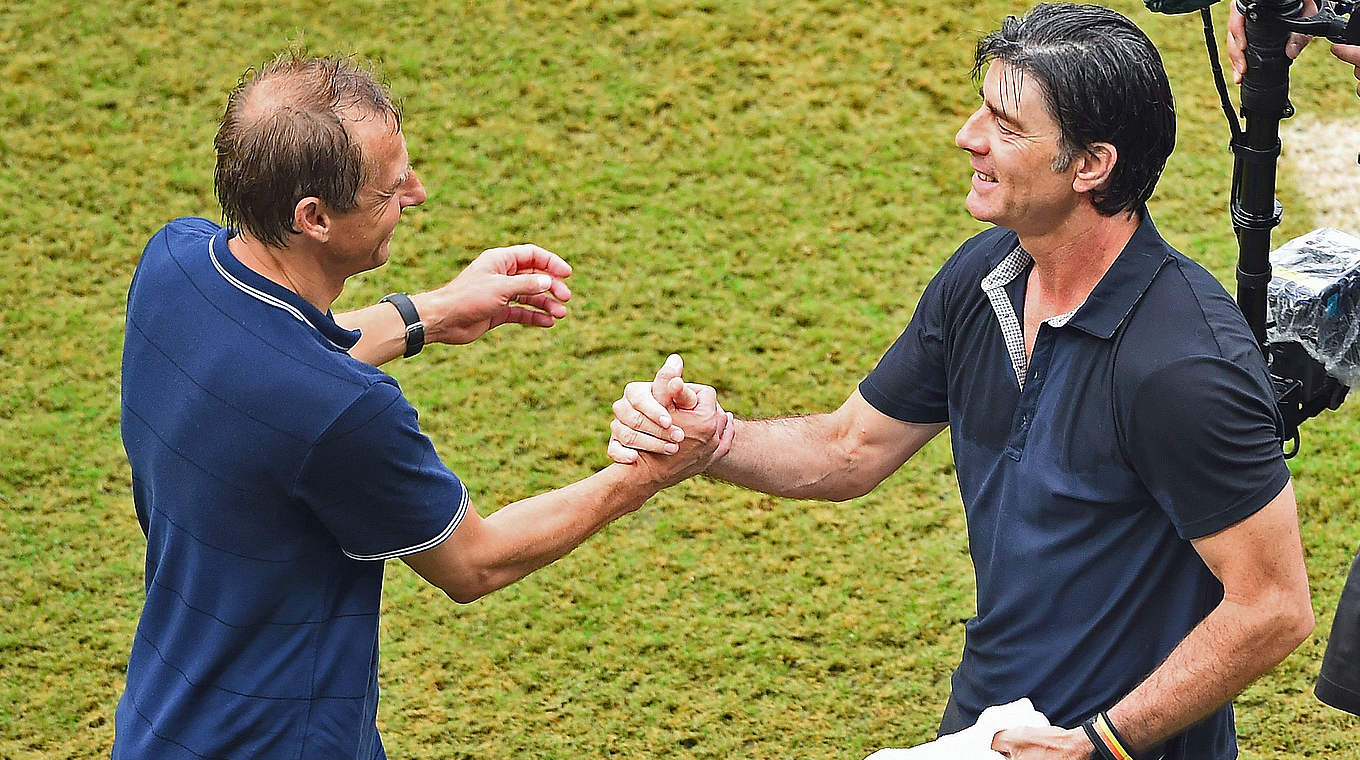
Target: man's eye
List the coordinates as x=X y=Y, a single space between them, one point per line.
x=1002 y=127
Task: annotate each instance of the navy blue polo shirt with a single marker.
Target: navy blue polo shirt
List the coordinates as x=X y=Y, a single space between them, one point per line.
x=1143 y=419
x=271 y=474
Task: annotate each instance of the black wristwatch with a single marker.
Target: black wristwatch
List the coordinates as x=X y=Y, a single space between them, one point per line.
x=415 y=329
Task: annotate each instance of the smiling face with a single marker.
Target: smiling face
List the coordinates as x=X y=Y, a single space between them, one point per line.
x=360 y=238
x=1014 y=146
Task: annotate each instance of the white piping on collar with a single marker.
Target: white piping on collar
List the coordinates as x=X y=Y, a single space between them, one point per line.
x=260 y=295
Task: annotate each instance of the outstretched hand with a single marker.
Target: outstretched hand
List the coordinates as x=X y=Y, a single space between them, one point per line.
x=521 y=284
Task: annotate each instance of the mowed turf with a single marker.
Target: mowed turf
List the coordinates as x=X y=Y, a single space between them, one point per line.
x=764 y=187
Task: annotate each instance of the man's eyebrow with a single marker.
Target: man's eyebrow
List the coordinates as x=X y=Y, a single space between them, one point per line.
x=999 y=113
x=401 y=180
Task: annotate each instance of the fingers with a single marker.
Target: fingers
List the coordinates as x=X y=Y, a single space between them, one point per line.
x=725 y=442
x=1002 y=744
x=626 y=415
x=517 y=316
x=526 y=257
x=520 y=286
x=637 y=441
x=621 y=454
x=671 y=369
x=544 y=303
x=639 y=397
x=1237 y=43
x=1296 y=44
x=1350 y=54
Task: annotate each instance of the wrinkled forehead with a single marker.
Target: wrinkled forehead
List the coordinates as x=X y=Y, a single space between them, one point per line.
x=1016 y=93
x=382 y=145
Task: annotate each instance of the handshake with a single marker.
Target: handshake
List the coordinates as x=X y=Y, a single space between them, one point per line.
x=670 y=427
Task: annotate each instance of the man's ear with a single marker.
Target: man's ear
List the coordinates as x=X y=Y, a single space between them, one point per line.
x=311 y=219
x=1094 y=167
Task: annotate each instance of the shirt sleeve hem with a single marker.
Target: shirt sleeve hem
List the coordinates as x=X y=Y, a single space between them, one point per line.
x=903 y=412
x=1244 y=508
x=448 y=530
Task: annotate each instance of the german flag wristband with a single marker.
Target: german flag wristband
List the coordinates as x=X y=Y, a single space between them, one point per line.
x=1109 y=744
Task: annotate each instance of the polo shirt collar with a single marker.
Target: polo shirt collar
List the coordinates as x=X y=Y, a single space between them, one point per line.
x=265 y=290
x=1124 y=283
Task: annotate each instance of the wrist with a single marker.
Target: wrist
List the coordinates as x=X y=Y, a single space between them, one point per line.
x=1107 y=743
x=413 y=327
x=637 y=482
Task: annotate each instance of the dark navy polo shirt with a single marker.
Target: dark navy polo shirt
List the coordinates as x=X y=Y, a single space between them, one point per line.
x=1140 y=421
x=271 y=473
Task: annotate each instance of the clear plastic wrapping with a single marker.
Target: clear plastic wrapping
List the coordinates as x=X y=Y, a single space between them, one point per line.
x=1314 y=299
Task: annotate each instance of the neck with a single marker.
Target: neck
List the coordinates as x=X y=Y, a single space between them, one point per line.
x=1069 y=260
x=295 y=268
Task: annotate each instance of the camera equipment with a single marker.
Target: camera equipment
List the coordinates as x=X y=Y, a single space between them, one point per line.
x=1304 y=387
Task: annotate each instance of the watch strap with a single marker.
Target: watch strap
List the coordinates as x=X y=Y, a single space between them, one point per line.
x=415 y=329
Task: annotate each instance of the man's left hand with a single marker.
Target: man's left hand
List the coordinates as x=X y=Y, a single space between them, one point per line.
x=523 y=284
x=1034 y=743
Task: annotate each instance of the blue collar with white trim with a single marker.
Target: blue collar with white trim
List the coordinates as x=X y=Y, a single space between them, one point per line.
x=267 y=291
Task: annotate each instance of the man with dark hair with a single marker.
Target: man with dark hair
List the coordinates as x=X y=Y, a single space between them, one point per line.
x=1130 y=516
x=273 y=471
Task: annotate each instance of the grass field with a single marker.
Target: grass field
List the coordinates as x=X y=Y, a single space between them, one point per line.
x=762 y=186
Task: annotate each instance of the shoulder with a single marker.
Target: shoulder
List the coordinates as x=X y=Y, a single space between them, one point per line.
x=181 y=231
x=974 y=260
x=173 y=241
x=1184 y=312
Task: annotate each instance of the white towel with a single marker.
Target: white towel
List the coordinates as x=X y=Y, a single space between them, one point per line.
x=975 y=742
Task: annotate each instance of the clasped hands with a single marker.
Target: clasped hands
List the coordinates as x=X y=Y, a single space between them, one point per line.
x=675 y=427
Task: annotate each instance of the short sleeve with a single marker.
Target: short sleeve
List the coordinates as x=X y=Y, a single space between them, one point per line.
x=910 y=382
x=374 y=480
x=1201 y=434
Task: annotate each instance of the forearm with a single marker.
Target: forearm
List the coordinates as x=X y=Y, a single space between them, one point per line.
x=384 y=333
x=797 y=457
x=531 y=533
x=1230 y=648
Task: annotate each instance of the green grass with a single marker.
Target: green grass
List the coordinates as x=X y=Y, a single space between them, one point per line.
x=764 y=186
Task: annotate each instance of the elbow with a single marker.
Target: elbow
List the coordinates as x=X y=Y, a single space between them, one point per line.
x=463 y=596
x=467 y=588
x=1290 y=622
x=1301 y=623
x=851 y=489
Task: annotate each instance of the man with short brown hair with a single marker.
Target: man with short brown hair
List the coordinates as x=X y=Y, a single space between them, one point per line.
x=273 y=470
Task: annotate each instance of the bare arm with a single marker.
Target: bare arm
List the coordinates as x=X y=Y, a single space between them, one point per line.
x=523 y=284
x=485 y=554
x=837 y=455
x=1264 y=615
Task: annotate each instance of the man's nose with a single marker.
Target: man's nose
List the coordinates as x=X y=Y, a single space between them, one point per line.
x=416 y=194
x=969 y=136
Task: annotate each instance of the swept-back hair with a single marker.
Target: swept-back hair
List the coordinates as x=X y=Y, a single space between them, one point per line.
x=283 y=138
x=1103 y=81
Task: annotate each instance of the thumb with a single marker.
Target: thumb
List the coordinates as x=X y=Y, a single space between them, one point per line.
x=524 y=285
x=673 y=368
x=683 y=394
